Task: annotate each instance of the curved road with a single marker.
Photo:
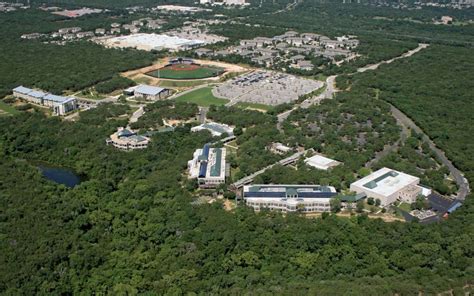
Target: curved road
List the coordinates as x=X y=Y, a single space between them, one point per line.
x=401 y=118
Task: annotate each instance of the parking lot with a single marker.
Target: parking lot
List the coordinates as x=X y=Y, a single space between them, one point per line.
x=266 y=87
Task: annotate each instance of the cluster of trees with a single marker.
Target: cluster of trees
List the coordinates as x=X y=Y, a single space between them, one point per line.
x=433 y=88
x=156 y=112
x=116 y=82
x=56 y=68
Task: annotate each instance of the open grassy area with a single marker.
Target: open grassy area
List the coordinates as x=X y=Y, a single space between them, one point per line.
x=7 y=109
x=262 y=107
x=405 y=206
x=202 y=97
x=174 y=72
x=184 y=83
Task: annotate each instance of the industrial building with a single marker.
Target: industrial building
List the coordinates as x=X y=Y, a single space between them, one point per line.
x=388 y=186
x=125 y=139
x=321 y=162
x=216 y=129
x=289 y=198
x=59 y=104
x=208 y=166
x=148 y=92
x=148 y=42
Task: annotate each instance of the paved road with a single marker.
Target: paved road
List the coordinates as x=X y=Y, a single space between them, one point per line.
x=457 y=175
x=248 y=179
x=136 y=115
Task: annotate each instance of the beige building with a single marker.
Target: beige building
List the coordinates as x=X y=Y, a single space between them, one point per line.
x=127 y=140
x=388 y=186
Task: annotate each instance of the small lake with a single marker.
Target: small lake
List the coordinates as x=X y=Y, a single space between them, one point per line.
x=60 y=175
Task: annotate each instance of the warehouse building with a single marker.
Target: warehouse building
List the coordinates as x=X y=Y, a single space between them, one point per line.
x=148 y=92
x=289 y=198
x=321 y=162
x=216 y=129
x=388 y=186
x=208 y=166
x=125 y=139
x=59 y=104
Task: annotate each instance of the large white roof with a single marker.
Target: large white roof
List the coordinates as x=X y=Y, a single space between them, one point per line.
x=385 y=182
x=321 y=162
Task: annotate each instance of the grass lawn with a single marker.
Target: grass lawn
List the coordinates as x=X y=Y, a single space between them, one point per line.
x=177 y=83
x=198 y=73
x=262 y=107
x=202 y=97
x=404 y=206
x=5 y=108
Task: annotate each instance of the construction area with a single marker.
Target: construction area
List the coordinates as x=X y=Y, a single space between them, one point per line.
x=266 y=87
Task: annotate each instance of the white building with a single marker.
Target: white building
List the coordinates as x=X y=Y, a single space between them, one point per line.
x=321 y=162
x=216 y=129
x=208 y=166
x=388 y=186
x=289 y=198
x=127 y=140
x=279 y=148
x=59 y=104
x=150 y=93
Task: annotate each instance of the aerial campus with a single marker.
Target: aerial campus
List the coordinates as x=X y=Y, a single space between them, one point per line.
x=274 y=71
x=236 y=147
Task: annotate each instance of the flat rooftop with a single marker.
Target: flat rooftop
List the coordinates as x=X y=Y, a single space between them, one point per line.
x=152 y=41
x=321 y=162
x=385 y=182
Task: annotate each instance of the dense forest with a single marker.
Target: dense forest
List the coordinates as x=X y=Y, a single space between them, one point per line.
x=132 y=225
x=56 y=68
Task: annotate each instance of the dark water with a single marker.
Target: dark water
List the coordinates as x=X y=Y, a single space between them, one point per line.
x=60 y=175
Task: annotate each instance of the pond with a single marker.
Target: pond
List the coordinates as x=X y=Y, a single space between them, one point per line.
x=60 y=175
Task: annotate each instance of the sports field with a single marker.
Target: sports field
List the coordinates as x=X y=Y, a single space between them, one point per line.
x=185 y=71
x=202 y=97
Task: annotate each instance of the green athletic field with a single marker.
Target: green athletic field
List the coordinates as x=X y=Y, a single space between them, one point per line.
x=202 y=97
x=198 y=73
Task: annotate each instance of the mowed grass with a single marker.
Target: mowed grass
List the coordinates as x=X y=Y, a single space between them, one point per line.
x=202 y=97
x=184 y=83
x=199 y=73
x=256 y=106
x=7 y=109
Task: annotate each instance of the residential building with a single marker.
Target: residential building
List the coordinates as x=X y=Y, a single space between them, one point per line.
x=304 y=65
x=216 y=129
x=388 y=186
x=59 y=104
x=100 y=31
x=126 y=139
x=289 y=198
x=208 y=166
x=321 y=162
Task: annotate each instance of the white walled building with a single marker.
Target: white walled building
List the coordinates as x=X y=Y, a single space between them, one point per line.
x=321 y=162
x=125 y=139
x=388 y=186
x=216 y=129
x=150 y=93
x=289 y=198
x=208 y=166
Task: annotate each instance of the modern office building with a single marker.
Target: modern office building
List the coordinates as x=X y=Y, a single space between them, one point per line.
x=127 y=140
x=208 y=166
x=289 y=198
x=216 y=129
x=321 y=162
x=388 y=186
x=59 y=104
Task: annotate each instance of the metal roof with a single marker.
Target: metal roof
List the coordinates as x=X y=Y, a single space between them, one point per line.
x=23 y=90
x=55 y=98
x=148 y=89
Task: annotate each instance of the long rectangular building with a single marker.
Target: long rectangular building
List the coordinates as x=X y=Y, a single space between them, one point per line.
x=289 y=198
x=208 y=166
x=59 y=104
